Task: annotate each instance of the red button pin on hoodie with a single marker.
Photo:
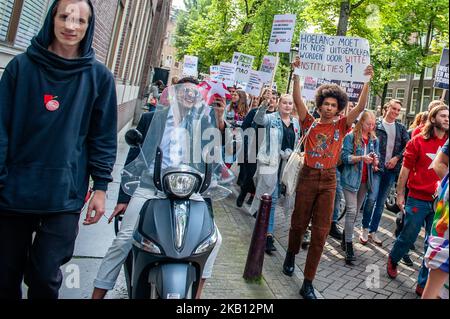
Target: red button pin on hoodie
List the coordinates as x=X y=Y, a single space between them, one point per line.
x=50 y=102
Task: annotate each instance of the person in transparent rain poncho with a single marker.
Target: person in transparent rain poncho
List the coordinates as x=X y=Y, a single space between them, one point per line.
x=184 y=126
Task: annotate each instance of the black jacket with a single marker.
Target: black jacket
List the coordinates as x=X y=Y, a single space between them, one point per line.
x=401 y=138
x=58 y=126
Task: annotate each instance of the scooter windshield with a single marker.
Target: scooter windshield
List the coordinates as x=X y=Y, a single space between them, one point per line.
x=188 y=132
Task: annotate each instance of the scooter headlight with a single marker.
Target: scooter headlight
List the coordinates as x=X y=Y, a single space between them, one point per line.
x=145 y=244
x=181 y=184
x=208 y=243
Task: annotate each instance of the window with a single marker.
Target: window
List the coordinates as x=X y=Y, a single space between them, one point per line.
x=426 y=98
x=6 y=9
x=21 y=20
x=427 y=76
x=118 y=28
x=31 y=19
x=437 y=93
x=402 y=77
x=168 y=61
x=389 y=95
x=414 y=94
x=400 y=94
x=428 y=73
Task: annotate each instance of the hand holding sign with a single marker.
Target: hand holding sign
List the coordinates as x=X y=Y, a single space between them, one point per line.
x=369 y=72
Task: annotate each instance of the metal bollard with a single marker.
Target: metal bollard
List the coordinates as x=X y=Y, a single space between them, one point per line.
x=255 y=257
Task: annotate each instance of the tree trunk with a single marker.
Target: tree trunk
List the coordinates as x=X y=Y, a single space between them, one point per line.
x=419 y=95
x=422 y=73
x=383 y=96
x=344 y=15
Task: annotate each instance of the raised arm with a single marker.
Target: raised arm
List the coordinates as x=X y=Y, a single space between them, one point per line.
x=261 y=118
x=297 y=94
x=362 y=102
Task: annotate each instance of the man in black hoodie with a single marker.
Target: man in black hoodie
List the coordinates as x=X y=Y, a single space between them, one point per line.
x=58 y=128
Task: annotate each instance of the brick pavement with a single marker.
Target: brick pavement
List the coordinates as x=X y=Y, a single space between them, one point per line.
x=334 y=278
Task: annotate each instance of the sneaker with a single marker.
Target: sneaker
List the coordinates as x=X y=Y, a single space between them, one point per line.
x=391 y=269
x=419 y=290
x=374 y=237
x=407 y=261
x=364 y=237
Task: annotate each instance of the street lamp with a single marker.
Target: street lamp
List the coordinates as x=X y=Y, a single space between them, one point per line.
x=292 y=54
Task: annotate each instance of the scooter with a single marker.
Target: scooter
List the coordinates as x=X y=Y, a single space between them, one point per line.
x=174 y=234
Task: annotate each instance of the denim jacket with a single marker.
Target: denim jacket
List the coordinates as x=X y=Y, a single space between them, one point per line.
x=274 y=133
x=352 y=172
x=401 y=138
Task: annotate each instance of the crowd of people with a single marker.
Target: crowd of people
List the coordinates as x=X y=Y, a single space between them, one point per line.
x=48 y=153
x=350 y=153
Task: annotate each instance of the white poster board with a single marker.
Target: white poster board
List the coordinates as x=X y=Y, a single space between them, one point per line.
x=244 y=63
x=267 y=67
x=190 y=66
x=282 y=32
x=333 y=57
x=255 y=83
x=214 y=73
x=227 y=73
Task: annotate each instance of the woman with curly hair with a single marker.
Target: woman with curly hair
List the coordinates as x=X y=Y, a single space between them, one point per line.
x=317 y=181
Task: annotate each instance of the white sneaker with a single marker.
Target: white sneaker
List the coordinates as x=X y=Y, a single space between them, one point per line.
x=374 y=237
x=364 y=237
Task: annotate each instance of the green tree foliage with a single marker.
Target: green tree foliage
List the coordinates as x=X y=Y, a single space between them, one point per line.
x=397 y=31
x=215 y=29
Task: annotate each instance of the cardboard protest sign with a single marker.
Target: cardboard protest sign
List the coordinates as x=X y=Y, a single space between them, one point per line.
x=282 y=31
x=441 y=80
x=333 y=57
x=255 y=83
x=227 y=73
x=244 y=63
x=309 y=88
x=353 y=89
x=267 y=67
x=190 y=65
x=214 y=73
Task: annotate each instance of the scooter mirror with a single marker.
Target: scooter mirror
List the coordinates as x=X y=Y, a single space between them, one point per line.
x=133 y=138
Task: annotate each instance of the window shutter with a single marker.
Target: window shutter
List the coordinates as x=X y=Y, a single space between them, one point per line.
x=31 y=19
x=6 y=8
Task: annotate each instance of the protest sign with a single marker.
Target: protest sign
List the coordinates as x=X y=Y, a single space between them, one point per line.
x=227 y=73
x=190 y=65
x=333 y=57
x=441 y=80
x=309 y=88
x=255 y=83
x=282 y=31
x=267 y=67
x=214 y=73
x=353 y=89
x=244 y=64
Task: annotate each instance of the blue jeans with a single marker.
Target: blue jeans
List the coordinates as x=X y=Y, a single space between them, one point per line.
x=417 y=212
x=338 y=196
x=381 y=185
x=272 y=210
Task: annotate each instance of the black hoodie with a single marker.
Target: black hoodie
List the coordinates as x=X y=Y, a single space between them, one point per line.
x=58 y=126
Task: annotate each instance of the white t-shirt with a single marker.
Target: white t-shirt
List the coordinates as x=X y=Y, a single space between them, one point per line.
x=390 y=130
